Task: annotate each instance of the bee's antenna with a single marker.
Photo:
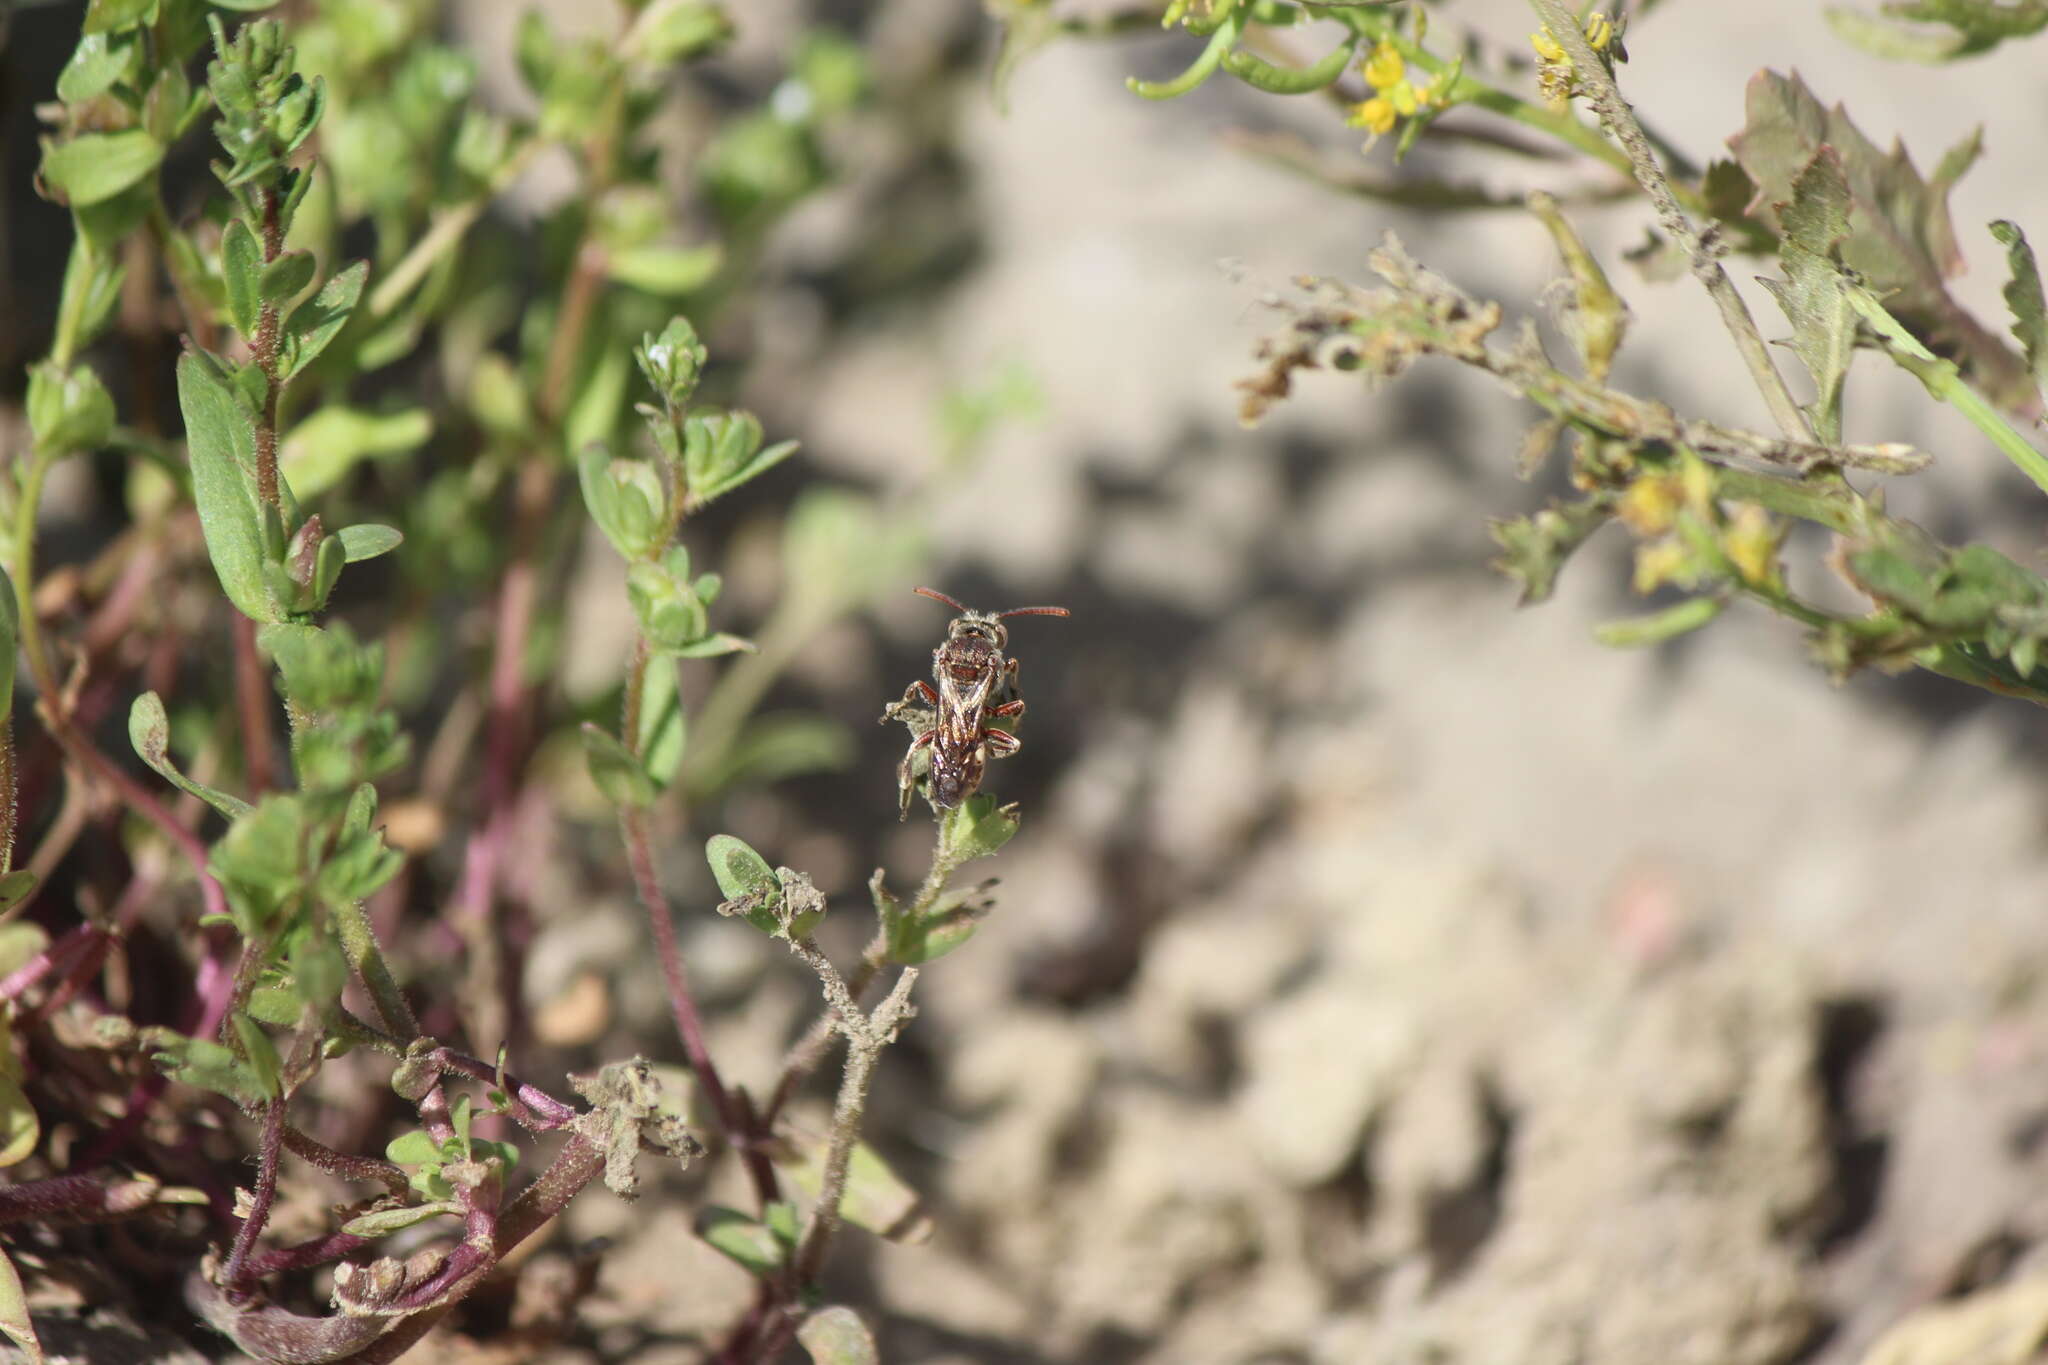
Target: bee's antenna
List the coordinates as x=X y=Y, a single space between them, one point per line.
x=1034 y=611
x=938 y=596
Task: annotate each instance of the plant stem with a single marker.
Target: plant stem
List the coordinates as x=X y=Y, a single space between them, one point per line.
x=253 y=706
x=234 y=1277
x=1706 y=266
x=359 y=943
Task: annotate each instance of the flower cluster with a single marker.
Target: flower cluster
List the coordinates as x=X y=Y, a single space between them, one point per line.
x=1554 y=75
x=1395 y=96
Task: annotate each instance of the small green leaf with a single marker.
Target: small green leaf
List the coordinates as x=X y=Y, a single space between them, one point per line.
x=97 y=62
x=20 y=940
x=662 y=726
x=68 y=410
x=241 y=268
x=626 y=500
x=314 y=323
x=837 y=1336
x=367 y=541
x=20 y=1130
x=714 y=645
x=262 y=1053
x=284 y=277
x=320 y=451
x=752 y=469
x=387 y=1221
x=203 y=1064
x=752 y=1245
x=106 y=16
x=876 y=1198
x=677 y=30
x=149 y=731
x=669 y=271
x=414 y=1147
x=1654 y=629
x=221 y=435
x=14 y=1318
x=741 y=872
x=96 y=166
x=617 y=773
x=599 y=402
x=976 y=827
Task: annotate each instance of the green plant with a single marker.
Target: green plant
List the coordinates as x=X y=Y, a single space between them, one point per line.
x=1864 y=247
x=312 y=394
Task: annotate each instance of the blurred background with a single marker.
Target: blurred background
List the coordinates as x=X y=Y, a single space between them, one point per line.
x=1383 y=974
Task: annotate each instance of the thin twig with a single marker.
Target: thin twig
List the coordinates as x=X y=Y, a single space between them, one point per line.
x=1706 y=266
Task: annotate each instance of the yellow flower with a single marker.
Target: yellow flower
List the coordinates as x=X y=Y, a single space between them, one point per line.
x=1650 y=504
x=1402 y=96
x=1599 y=31
x=1376 y=114
x=1662 y=561
x=1545 y=45
x=1385 y=67
x=1751 y=544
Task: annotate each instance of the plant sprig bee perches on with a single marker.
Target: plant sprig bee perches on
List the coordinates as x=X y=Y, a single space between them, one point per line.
x=976 y=685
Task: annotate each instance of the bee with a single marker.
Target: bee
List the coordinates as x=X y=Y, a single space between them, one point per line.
x=976 y=685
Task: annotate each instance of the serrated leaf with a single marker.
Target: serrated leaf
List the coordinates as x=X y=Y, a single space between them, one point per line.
x=615 y=771
x=149 y=731
x=384 y=1222
x=2023 y=295
x=241 y=268
x=14 y=1318
x=368 y=540
x=97 y=166
x=1901 y=240
x=741 y=1239
x=314 y=323
x=1813 y=293
x=668 y=271
x=837 y=1336
x=221 y=436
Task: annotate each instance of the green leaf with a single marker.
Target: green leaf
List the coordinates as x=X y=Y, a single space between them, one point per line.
x=20 y=1130
x=914 y=941
x=149 y=730
x=20 y=940
x=751 y=1244
x=15 y=887
x=876 y=1198
x=837 y=1336
x=677 y=30
x=221 y=435
x=68 y=410
x=1813 y=293
x=202 y=1064
x=384 y=1222
x=594 y=412
x=1901 y=240
x=241 y=268
x=97 y=63
x=285 y=277
x=741 y=872
x=976 y=828
x=1908 y=31
x=1659 y=626
x=626 y=500
x=321 y=450
x=662 y=726
x=105 y=16
x=617 y=773
x=262 y=1053
x=752 y=469
x=2023 y=296
x=414 y=1147
x=14 y=1318
x=669 y=271
x=368 y=540
x=713 y=646
x=1535 y=548
x=314 y=323
x=672 y=361
x=96 y=166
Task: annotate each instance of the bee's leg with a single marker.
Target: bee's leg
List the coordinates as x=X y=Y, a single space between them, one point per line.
x=1001 y=743
x=906 y=783
x=1010 y=709
x=919 y=693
